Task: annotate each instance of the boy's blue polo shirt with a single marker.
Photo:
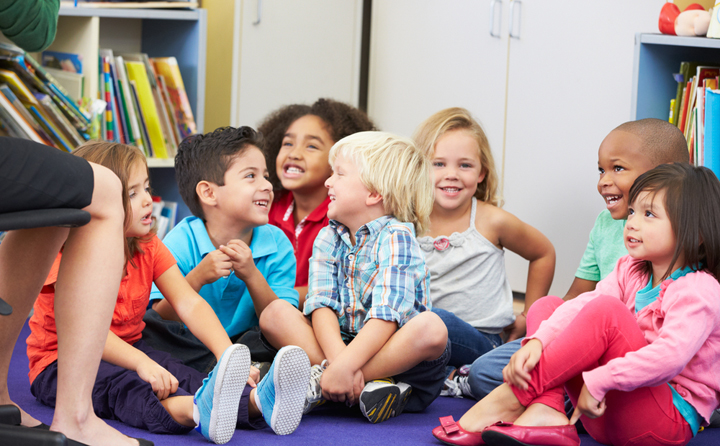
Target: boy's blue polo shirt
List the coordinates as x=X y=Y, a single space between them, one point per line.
x=273 y=253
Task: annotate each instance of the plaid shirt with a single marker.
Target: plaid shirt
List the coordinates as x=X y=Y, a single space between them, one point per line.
x=383 y=276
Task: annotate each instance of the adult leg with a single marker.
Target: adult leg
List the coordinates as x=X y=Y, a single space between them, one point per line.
x=467 y=342
x=85 y=295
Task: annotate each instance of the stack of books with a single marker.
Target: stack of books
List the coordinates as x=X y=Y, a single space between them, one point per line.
x=696 y=112
x=147 y=105
x=34 y=105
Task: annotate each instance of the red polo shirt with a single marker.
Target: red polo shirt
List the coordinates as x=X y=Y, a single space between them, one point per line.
x=301 y=236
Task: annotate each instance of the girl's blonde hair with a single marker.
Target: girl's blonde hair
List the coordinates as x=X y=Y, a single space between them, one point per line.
x=394 y=168
x=121 y=159
x=456 y=118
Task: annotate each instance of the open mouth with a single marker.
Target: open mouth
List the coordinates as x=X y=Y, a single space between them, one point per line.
x=147 y=218
x=450 y=190
x=293 y=170
x=612 y=199
x=633 y=240
x=261 y=203
x=332 y=197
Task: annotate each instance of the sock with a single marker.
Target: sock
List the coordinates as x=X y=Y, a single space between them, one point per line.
x=196 y=414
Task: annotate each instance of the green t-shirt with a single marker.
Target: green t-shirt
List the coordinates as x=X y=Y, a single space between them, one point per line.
x=31 y=24
x=604 y=249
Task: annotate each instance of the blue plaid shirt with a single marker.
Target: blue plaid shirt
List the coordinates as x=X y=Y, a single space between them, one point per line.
x=383 y=276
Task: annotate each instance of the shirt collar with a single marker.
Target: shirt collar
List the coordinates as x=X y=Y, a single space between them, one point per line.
x=366 y=230
x=261 y=245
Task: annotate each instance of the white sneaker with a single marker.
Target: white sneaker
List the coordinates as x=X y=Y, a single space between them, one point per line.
x=314 y=396
x=457 y=387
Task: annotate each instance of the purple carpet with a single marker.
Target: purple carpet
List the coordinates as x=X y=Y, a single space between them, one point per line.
x=327 y=425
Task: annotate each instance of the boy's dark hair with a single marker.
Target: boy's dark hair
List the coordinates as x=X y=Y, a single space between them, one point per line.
x=340 y=120
x=662 y=142
x=207 y=157
x=692 y=202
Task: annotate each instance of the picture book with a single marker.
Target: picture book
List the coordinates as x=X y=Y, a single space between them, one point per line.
x=128 y=106
x=69 y=62
x=169 y=69
x=5 y=90
x=16 y=122
x=137 y=73
x=712 y=131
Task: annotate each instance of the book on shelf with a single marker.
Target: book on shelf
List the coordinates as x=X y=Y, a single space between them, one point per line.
x=164 y=214
x=68 y=62
x=137 y=73
x=169 y=69
x=74 y=83
x=712 y=131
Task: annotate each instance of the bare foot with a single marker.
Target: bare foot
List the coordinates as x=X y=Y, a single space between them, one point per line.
x=541 y=415
x=94 y=432
x=499 y=405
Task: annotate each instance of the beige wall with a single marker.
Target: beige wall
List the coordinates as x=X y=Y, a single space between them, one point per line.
x=218 y=74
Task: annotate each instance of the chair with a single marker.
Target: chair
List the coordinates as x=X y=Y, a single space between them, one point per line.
x=10 y=432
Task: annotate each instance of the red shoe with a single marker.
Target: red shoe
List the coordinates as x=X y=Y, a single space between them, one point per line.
x=449 y=432
x=502 y=434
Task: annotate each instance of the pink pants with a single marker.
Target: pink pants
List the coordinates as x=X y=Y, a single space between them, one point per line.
x=603 y=330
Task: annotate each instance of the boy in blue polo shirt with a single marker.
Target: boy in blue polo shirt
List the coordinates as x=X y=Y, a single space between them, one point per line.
x=227 y=252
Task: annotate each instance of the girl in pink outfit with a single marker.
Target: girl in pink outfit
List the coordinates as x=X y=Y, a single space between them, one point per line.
x=638 y=356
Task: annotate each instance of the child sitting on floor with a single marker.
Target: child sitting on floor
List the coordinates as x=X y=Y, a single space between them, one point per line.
x=298 y=139
x=638 y=354
x=226 y=250
x=146 y=388
x=468 y=234
x=628 y=151
x=366 y=314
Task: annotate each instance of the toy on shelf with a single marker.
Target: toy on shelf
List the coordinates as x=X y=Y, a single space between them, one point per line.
x=693 y=21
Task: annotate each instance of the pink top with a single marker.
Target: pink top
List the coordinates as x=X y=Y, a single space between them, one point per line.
x=682 y=328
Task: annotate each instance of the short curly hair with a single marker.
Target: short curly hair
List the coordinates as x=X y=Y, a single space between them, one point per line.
x=207 y=157
x=340 y=120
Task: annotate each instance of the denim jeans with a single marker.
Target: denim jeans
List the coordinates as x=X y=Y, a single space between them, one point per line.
x=468 y=343
x=486 y=371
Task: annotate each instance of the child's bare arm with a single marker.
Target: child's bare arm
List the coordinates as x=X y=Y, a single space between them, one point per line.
x=343 y=379
x=122 y=354
x=578 y=287
x=532 y=245
x=245 y=269
x=193 y=310
x=327 y=332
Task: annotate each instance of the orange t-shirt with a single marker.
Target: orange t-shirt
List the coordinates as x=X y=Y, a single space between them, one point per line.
x=127 y=321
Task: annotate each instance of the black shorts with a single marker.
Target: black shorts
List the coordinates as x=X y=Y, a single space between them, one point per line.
x=35 y=176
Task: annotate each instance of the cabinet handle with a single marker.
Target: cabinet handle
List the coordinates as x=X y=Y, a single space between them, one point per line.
x=494 y=3
x=512 y=18
x=259 y=13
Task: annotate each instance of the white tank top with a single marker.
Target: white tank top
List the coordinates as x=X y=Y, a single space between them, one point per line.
x=467 y=277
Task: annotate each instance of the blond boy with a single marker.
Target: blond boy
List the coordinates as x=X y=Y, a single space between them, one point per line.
x=366 y=310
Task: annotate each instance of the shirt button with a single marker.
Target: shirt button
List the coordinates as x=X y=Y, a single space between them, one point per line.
x=351 y=256
x=348 y=310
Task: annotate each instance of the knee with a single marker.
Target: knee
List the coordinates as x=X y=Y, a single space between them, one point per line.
x=277 y=312
x=543 y=308
x=432 y=334
x=107 y=199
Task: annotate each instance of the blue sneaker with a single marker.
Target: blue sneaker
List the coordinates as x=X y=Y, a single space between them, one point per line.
x=216 y=401
x=282 y=391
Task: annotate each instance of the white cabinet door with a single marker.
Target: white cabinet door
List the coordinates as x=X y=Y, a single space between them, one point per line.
x=432 y=54
x=294 y=52
x=570 y=84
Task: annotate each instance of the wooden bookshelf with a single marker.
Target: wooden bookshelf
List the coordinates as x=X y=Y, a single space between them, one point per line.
x=181 y=33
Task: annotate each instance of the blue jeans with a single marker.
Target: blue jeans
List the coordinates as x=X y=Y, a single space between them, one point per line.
x=486 y=371
x=468 y=343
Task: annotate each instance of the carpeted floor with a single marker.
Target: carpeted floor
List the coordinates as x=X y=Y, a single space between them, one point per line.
x=327 y=425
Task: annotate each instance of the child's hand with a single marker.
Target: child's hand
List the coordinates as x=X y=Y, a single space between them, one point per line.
x=163 y=382
x=587 y=405
x=338 y=384
x=254 y=376
x=517 y=372
x=241 y=258
x=214 y=265
x=517 y=329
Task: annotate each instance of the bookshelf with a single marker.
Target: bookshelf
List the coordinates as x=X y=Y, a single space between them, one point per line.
x=657 y=56
x=157 y=32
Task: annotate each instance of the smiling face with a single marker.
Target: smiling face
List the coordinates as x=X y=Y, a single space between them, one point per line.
x=247 y=193
x=648 y=232
x=140 y=201
x=348 y=195
x=302 y=163
x=456 y=168
x=620 y=161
